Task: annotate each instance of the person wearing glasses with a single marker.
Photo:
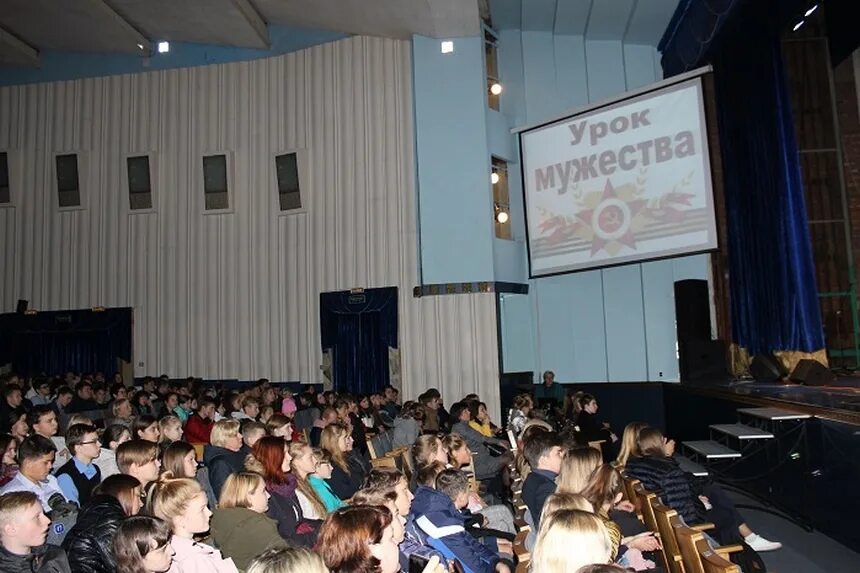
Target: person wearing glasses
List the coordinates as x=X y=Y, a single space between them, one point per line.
x=79 y=476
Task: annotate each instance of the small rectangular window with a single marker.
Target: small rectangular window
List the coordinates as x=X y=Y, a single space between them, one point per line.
x=289 y=189
x=68 y=184
x=139 y=183
x=501 y=199
x=5 y=194
x=215 y=182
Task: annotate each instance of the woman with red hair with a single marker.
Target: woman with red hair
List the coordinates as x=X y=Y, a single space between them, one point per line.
x=359 y=539
x=271 y=458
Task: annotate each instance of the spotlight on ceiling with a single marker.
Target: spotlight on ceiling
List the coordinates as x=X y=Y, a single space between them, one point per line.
x=494 y=177
x=502 y=217
x=810 y=11
x=140 y=46
x=163 y=47
x=797 y=26
x=496 y=88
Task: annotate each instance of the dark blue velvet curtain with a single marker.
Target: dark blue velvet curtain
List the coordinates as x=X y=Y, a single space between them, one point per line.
x=56 y=342
x=359 y=328
x=774 y=299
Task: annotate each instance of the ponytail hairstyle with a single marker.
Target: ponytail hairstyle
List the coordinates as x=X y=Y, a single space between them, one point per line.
x=169 y=497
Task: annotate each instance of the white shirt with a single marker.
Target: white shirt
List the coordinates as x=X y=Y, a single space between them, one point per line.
x=106 y=463
x=43 y=490
x=63 y=454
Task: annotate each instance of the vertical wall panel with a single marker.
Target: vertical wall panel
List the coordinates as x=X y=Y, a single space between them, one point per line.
x=236 y=295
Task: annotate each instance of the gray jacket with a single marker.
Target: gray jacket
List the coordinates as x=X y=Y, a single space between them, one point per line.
x=405 y=432
x=486 y=466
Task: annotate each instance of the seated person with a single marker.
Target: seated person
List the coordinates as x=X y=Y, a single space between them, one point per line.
x=436 y=513
x=35 y=457
x=488 y=468
x=23 y=530
x=543 y=451
x=79 y=476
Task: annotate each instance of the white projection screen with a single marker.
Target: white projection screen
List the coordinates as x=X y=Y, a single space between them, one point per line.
x=623 y=182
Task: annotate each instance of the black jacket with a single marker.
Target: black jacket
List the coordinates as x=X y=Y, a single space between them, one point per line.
x=662 y=476
x=221 y=463
x=88 y=542
x=345 y=485
x=591 y=428
x=44 y=559
x=292 y=525
x=539 y=485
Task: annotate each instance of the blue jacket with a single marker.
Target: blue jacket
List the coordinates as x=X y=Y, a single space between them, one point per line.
x=443 y=526
x=539 y=485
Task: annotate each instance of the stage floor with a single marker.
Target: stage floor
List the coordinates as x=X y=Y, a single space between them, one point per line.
x=840 y=400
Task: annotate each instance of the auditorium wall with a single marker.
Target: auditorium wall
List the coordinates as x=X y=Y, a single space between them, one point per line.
x=609 y=325
x=235 y=295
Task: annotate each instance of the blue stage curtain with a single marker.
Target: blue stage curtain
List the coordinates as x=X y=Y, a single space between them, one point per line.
x=774 y=299
x=76 y=340
x=359 y=328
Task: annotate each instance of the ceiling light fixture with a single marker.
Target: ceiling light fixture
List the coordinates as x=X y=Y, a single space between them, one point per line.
x=494 y=177
x=496 y=88
x=140 y=46
x=797 y=26
x=810 y=11
x=163 y=47
x=502 y=217
x=447 y=47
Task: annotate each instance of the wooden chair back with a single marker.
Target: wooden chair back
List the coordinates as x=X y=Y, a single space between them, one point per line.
x=687 y=539
x=371 y=449
x=645 y=498
x=520 y=549
x=713 y=562
x=630 y=492
x=665 y=517
x=384 y=462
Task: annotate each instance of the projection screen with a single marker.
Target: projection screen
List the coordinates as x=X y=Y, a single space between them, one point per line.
x=627 y=181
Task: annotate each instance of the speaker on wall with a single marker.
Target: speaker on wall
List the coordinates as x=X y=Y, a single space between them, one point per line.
x=766 y=368
x=812 y=373
x=287 y=171
x=22 y=305
x=139 y=182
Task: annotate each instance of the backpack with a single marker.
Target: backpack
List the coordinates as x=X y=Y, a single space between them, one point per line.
x=63 y=515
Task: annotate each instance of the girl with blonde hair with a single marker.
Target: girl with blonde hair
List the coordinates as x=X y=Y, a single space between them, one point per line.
x=576 y=469
x=182 y=503
x=303 y=465
x=287 y=560
x=569 y=539
x=240 y=526
x=629 y=441
x=348 y=469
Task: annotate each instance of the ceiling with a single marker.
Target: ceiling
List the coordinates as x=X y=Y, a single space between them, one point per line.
x=28 y=27
x=631 y=21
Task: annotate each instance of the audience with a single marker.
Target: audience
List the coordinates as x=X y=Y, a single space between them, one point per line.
x=199 y=425
x=112 y=437
x=319 y=481
x=35 y=459
x=359 y=540
x=569 y=539
x=8 y=462
x=544 y=454
x=348 y=469
x=139 y=459
x=287 y=560
x=79 y=476
x=223 y=455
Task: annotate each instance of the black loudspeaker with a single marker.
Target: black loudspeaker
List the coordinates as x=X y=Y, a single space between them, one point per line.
x=21 y=308
x=704 y=360
x=812 y=373
x=766 y=368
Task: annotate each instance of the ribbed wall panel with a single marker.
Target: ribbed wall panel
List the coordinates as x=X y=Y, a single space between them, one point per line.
x=237 y=295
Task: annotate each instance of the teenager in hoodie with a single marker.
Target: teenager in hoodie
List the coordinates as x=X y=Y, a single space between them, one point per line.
x=436 y=514
x=407 y=426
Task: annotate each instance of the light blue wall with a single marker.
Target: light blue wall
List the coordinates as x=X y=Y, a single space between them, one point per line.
x=58 y=66
x=615 y=324
x=453 y=162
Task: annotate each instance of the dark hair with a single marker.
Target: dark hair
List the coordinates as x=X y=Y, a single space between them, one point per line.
x=133 y=541
x=346 y=535
x=141 y=423
x=603 y=486
x=426 y=476
x=452 y=483
x=135 y=400
x=115 y=388
x=34 y=447
x=584 y=399
x=383 y=478
x=121 y=487
x=650 y=442
x=9 y=388
x=64 y=391
x=34 y=416
x=113 y=433
x=5 y=440
x=251 y=426
x=206 y=401
x=538 y=445
x=413 y=410
x=75 y=435
x=83 y=384
x=457 y=409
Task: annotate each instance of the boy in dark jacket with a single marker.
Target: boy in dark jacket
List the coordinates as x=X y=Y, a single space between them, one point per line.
x=436 y=513
x=23 y=530
x=544 y=454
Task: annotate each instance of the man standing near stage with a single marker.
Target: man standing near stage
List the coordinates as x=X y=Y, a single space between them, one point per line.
x=549 y=394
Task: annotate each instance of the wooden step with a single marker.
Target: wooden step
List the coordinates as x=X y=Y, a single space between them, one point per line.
x=741 y=431
x=691 y=467
x=711 y=450
x=772 y=414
